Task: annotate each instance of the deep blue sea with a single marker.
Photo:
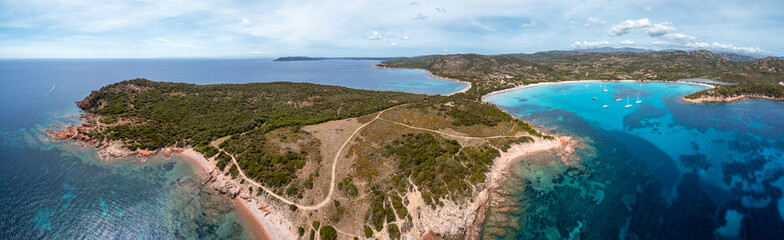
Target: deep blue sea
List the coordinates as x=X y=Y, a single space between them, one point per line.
x=55 y=190
x=660 y=169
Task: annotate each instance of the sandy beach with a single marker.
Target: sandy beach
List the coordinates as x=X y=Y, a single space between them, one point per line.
x=585 y=81
x=244 y=208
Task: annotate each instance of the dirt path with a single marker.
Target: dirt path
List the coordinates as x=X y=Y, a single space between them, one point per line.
x=335 y=162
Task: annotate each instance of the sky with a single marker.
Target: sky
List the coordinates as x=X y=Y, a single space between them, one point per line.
x=389 y=28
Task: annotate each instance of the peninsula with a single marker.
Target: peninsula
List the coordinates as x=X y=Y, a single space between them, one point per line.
x=315 y=161
x=320 y=160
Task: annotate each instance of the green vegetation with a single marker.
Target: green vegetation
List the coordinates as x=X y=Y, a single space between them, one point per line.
x=348 y=188
x=492 y=73
x=438 y=166
x=368 y=231
x=328 y=233
x=301 y=231
x=206 y=150
x=223 y=160
x=400 y=209
x=394 y=231
x=167 y=114
x=772 y=90
x=316 y=224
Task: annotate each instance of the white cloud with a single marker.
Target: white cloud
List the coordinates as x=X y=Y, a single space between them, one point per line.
x=726 y=47
x=530 y=24
x=375 y=36
x=648 y=8
x=678 y=37
x=592 y=21
x=715 y=46
x=394 y=44
x=404 y=37
x=642 y=25
x=627 y=42
x=587 y=44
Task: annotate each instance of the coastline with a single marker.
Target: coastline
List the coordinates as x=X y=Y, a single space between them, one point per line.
x=244 y=205
x=584 y=81
x=715 y=99
x=500 y=171
x=253 y=219
x=465 y=89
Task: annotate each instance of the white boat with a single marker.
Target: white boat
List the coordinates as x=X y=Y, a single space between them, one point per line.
x=618 y=99
x=605 y=103
x=638 y=99
x=605 y=88
x=594 y=95
x=627 y=102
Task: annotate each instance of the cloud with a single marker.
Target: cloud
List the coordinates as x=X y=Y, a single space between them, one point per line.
x=530 y=24
x=678 y=37
x=441 y=9
x=420 y=16
x=648 y=8
x=627 y=42
x=394 y=44
x=587 y=44
x=404 y=37
x=642 y=25
x=592 y=21
x=726 y=47
x=375 y=36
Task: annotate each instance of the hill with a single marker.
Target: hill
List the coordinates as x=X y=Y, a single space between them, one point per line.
x=492 y=73
x=371 y=163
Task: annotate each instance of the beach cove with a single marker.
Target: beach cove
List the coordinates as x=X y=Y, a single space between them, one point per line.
x=662 y=158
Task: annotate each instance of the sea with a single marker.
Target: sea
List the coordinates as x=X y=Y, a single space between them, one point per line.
x=59 y=190
x=660 y=168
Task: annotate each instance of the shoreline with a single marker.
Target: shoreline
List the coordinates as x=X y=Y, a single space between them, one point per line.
x=250 y=218
x=465 y=89
x=716 y=99
x=500 y=171
x=110 y=150
x=584 y=81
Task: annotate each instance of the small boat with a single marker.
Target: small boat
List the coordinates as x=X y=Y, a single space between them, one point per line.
x=627 y=103
x=586 y=85
x=594 y=95
x=618 y=99
x=605 y=103
x=638 y=99
x=605 y=88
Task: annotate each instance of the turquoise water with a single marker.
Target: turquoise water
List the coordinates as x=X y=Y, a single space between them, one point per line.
x=54 y=190
x=661 y=169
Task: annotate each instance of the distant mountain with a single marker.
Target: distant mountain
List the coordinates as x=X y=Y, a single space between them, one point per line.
x=737 y=57
x=612 y=49
x=303 y=58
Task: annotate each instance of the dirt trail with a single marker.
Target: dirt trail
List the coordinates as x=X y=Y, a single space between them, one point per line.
x=335 y=162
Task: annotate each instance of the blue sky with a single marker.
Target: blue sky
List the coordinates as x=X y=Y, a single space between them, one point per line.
x=206 y=28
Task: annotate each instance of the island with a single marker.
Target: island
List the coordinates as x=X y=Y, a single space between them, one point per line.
x=315 y=161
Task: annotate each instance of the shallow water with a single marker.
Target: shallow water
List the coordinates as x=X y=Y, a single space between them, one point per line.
x=61 y=191
x=659 y=169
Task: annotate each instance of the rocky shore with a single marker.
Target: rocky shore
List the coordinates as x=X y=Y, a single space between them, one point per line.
x=269 y=222
x=728 y=98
